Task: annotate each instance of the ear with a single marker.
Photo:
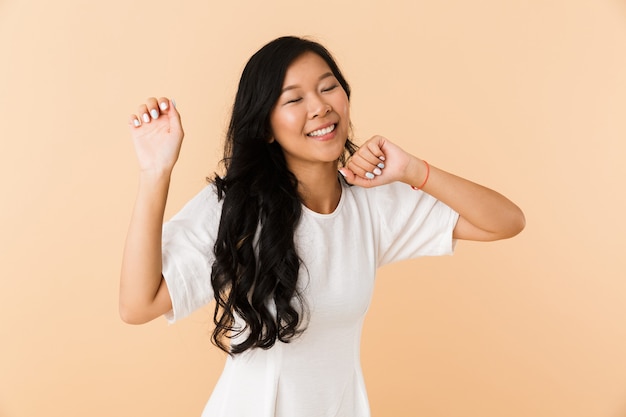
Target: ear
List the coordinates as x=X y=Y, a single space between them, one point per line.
x=271 y=140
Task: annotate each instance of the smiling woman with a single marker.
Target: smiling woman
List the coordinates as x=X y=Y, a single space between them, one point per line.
x=271 y=241
x=310 y=122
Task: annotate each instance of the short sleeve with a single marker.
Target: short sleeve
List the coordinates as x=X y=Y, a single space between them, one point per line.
x=187 y=248
x=413 y=224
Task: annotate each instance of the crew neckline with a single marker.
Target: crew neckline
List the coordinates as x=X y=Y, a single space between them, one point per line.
x=337 y=209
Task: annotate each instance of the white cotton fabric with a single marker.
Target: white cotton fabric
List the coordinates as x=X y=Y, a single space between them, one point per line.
x=319 y=373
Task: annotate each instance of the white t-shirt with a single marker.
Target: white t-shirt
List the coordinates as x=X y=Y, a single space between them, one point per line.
x=319 y=373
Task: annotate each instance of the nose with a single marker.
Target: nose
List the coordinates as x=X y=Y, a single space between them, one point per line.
x=319 y=107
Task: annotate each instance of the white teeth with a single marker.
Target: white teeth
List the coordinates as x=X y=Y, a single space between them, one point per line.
x=322 y=132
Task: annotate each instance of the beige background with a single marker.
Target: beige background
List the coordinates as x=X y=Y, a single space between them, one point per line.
x=526 y=96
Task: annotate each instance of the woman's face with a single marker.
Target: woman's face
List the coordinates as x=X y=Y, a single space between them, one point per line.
x=311 y=118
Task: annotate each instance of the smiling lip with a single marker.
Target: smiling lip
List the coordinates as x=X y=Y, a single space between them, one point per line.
x=326 y=136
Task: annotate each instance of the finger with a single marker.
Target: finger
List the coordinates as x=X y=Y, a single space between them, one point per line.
x=348 y=175
x=361 y=172
x=354 y=166
x=134 y=121
x=361 y=165
x=173 y=114
x=142 y=111
x=373 y=153
x=153 y=108
x=353 y=179
x=163 y=104
x=370 y=156
x=368 y=161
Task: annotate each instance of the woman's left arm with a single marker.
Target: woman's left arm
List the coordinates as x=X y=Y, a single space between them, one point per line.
x=484 y=214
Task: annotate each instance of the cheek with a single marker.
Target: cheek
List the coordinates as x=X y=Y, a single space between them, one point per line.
x=285 y=122
x=346 y=111
x=342 y=106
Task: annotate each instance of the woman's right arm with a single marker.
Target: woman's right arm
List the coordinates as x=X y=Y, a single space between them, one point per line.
x=157 y=135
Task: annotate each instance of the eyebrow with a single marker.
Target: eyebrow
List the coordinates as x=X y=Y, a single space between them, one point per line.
x=291 y=87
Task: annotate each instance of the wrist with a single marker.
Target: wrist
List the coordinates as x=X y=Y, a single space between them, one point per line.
x=417 y=173
x=155 y=175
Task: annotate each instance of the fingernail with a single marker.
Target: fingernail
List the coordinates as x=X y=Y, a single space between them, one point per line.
x=136 y=122
x=369 y=175
x=174 y=103
x=154 y=113
x=341 y=172
x=163 y=105
x=382 y=158
x=377 y=171
x=381 y=165
x=146 y=118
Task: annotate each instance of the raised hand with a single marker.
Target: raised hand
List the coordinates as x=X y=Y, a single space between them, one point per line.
x=157 y=134
x=378 y=161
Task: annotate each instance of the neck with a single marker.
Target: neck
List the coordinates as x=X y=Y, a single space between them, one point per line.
x=319 y=189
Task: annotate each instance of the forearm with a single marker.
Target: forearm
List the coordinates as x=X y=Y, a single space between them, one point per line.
x=485 y=214
x=141 y=265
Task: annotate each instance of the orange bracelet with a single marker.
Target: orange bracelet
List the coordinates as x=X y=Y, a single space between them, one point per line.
x=425 y=179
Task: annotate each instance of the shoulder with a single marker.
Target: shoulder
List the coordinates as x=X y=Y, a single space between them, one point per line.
x=205 y=204
x=393 y=201
x=209 y=194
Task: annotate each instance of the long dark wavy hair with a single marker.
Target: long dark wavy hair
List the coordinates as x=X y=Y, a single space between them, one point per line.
x=255 y=273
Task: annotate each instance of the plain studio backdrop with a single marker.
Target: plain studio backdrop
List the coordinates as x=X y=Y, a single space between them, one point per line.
x=525 y=96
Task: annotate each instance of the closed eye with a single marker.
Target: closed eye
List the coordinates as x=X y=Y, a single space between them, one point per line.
x=294 y=100
x=330 y=88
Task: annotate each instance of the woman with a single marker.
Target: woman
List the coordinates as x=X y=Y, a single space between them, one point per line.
x=286 y=246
